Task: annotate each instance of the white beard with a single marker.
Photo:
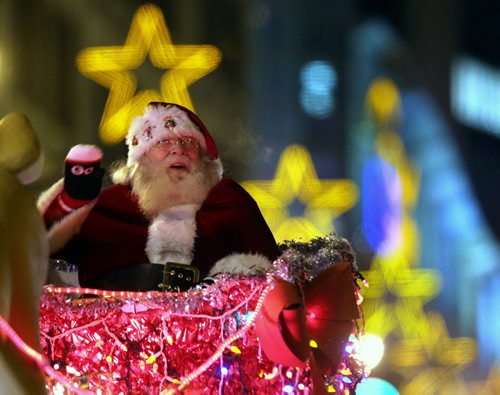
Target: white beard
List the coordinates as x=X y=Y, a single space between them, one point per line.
x=157 y=190
x=171 y=203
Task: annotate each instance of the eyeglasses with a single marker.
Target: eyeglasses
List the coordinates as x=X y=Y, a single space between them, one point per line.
x=188 y=144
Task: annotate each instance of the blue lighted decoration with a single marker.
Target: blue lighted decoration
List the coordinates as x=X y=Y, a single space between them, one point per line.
x=475 y=95
x=319 y=80
x=381 y=205
x=375 y=386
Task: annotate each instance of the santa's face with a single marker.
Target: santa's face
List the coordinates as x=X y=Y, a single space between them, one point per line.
x=177 y=156
x=172 y=173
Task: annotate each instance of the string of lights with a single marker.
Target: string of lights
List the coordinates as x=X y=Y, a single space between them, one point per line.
x=97 y=341
x=6 y=331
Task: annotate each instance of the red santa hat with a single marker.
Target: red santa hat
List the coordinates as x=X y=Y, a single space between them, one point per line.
x=166 y=120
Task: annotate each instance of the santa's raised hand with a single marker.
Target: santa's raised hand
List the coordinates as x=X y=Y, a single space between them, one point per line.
x=81 y=185
x=82 y=175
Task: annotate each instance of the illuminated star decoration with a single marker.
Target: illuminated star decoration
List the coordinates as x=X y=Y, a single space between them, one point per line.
x=112 y=68
x=296 y=179
x=199 y=339
x=422 y=350
x=490 y=386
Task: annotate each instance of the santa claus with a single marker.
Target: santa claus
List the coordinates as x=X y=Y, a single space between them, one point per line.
x=169 y=211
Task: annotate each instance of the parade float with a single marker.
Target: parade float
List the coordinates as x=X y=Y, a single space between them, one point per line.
x=294 y=329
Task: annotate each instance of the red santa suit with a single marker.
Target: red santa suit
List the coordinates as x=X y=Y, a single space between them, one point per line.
x=227 y=233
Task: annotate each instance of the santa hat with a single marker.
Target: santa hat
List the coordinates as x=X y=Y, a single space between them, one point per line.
x=162 y=121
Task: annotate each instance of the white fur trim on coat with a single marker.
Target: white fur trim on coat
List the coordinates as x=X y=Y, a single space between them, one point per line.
x=48 y=196
x=245 y=264
x=62 y=231
x=171 y=235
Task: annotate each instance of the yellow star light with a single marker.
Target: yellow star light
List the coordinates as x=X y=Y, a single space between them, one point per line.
x=488 y=387
x=433 y=346
x=410 y=288
x=296 y=179
x=420 y=348
x=112 y=68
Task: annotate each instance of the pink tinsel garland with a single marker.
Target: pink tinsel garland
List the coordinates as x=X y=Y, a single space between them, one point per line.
x=154 y=342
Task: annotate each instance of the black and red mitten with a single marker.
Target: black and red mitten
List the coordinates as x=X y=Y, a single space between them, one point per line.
x=82 y=182
x=82 y=174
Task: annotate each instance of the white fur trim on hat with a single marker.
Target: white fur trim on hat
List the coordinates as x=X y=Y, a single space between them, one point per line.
x=147 y=130
x=245 y=264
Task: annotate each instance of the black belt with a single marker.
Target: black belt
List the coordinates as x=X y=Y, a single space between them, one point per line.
x=172 y=277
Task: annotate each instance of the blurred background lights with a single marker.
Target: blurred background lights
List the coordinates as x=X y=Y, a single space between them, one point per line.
x=381 y=206
x=112 y=67
x=383 y=100
x=296 y=179
x=413 y=190
x=371 y=350
x=58 y=389
x=5 y=69
x=375 y=386
x=475 y=95
x=318 y=82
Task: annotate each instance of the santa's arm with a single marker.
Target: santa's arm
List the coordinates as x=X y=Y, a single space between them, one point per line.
x=67 y=203
x=253 y=244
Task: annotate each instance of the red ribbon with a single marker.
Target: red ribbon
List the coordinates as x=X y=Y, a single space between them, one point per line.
x=326 y=314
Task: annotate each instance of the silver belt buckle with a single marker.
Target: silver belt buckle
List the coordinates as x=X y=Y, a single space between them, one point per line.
x=178 y=277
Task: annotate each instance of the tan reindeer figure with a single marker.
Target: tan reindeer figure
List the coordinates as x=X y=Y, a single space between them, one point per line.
x=23 y=254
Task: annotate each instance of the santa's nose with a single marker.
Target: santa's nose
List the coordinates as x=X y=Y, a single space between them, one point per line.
x=176 y=149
